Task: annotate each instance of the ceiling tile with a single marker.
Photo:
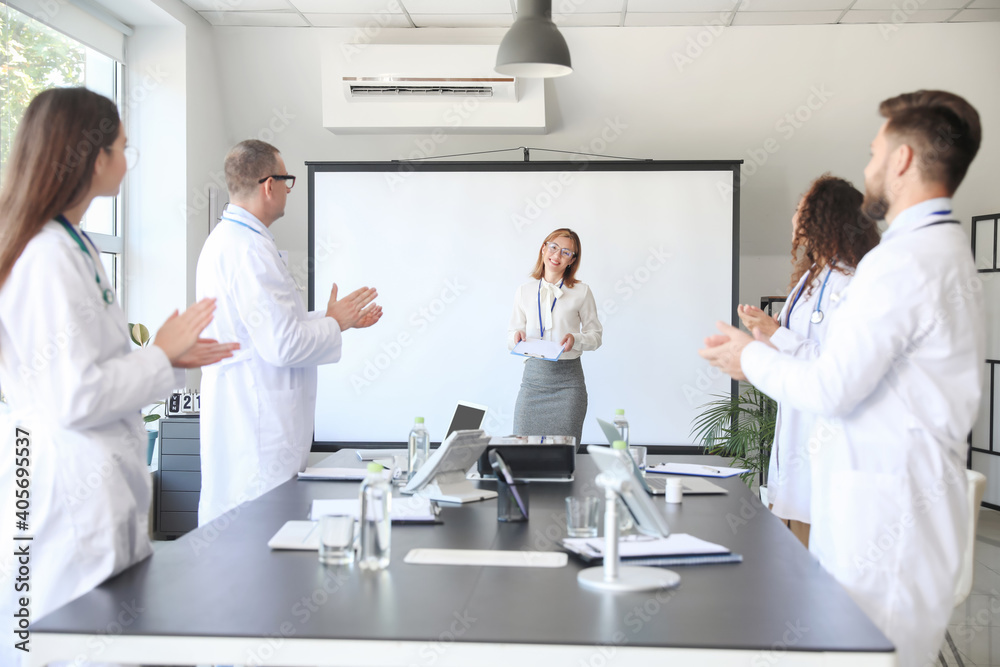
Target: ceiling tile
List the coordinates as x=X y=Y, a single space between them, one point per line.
x=905 y=6
x=587 y=20
x=344 y=6
x=232 y=5
x=985 y=4
x=457 y=7
x=978 y=15
x=357 y=20
x=793 y=5
x=898 y=16
x=265 y=19
x=462 y=20
x=586 y=6
x=786 y=18
x=634 y=19
x=681 y=5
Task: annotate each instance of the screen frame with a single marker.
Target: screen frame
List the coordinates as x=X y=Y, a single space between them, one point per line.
x=577 y=164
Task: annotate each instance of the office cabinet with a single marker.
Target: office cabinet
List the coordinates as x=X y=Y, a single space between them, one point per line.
x=178 y=486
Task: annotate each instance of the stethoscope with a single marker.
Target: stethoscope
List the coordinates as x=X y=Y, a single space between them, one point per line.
x=106 y=293
x=817 y=314
x=541 y=325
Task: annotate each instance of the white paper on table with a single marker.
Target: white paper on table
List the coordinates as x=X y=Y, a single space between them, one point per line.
x=296 y=535
x=339 y=474
x=695 y=469
x=413 y=509
x=485 y=557
x=538 y=349
x=677 y=544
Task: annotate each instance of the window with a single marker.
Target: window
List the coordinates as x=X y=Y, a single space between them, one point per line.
x=34 y=57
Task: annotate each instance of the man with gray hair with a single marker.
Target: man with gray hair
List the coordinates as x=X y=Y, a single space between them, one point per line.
x=257 y=409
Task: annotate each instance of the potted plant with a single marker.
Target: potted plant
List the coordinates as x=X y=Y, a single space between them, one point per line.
x=140 y=336
x=742 y=428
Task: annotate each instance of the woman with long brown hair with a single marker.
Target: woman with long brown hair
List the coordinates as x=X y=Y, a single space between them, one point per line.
x=830 y=235
x=555 y=306
x=74 y=453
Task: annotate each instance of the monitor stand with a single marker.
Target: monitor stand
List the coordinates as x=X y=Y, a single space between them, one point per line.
x=453 y=487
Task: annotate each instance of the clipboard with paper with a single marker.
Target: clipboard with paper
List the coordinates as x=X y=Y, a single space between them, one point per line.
x=538 y=349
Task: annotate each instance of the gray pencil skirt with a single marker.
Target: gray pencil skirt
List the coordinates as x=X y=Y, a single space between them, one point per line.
x=552 y=400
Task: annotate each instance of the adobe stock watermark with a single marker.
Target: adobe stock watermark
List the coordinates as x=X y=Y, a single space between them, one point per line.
x=419 y=322
x=634 y=281
x=364 y=34
x=555 y=185
x=696 y=45
x=427 y=145
x=787 y=125
x=902 y=12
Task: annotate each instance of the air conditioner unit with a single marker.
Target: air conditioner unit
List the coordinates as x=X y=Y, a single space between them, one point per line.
x=413 y=88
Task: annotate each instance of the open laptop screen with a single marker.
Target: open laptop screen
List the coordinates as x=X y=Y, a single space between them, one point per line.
x=468 y=417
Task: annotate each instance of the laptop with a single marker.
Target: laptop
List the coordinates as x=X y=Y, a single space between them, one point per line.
x=656 y=484
x=467 y=417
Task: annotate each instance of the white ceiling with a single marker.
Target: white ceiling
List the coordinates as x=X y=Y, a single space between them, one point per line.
x=614 y=13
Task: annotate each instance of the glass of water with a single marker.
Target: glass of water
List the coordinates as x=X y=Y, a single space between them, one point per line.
x=336 y=539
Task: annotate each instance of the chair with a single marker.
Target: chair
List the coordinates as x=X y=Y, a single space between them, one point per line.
x=976 y=489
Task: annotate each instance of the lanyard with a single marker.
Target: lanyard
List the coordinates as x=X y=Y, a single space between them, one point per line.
x=541 y=325
x=106 y=293
x=242 y=224
x=817 y=315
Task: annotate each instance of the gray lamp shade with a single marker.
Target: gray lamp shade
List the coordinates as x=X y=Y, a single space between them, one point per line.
x=534 y=47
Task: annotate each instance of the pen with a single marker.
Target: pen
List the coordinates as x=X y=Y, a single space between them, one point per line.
x=711 y=469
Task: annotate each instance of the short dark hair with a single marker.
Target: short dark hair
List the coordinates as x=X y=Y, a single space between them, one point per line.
x=246 y=163
x=942 y=129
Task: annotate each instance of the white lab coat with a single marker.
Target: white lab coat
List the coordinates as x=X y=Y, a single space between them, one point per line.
x=898 y=384
x=76 y=383
x=788 y=478
x=258 y=407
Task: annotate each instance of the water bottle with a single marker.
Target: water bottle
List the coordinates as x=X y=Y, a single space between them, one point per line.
x=419 y=448
x=376 y=524
x=621 y=424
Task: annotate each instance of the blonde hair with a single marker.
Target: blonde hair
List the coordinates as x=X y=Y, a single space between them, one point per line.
x=569 y=276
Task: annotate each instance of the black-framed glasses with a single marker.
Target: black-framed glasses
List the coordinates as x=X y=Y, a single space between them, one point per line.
x=287 y=178
x=566 y=252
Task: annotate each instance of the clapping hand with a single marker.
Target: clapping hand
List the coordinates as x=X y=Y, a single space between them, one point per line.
x=723 y=350
x=352 y=310
x=754 y=319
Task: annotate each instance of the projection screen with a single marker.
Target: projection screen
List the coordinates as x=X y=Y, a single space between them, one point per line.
x=446 y=245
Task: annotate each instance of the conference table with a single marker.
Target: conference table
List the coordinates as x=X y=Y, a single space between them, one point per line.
x=219 y=595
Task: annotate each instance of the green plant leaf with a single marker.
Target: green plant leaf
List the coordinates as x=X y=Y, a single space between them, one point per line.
x=139 y=334
x=739 y=427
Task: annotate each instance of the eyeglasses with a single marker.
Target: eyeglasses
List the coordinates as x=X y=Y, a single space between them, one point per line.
x=565 y=252
x=287 y=178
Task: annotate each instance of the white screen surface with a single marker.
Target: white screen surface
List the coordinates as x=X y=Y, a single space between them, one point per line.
x=446 y=251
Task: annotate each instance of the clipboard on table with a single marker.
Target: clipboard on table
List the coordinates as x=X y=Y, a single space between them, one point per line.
x=538 y=349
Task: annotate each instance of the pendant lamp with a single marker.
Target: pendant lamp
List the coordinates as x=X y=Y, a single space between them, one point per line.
x=533 y=47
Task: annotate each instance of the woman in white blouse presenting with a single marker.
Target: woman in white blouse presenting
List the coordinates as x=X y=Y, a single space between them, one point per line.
x=830 y=235
x=554 y=306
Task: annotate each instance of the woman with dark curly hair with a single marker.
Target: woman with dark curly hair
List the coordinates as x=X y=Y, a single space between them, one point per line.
x=830 y=235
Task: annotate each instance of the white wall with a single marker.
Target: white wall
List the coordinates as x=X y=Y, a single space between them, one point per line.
x=176 y=118
x=671 y=93
x=722 y=104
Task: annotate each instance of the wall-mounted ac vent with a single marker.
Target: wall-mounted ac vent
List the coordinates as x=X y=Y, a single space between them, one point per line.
x=416 y=87
x=373 y=87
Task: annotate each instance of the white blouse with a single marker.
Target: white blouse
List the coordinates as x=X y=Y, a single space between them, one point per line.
x=575 y=312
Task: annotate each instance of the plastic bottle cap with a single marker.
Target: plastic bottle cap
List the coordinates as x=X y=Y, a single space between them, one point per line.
x=418 y=420
x=374 y=467
x=619 y=444
x=619 y=411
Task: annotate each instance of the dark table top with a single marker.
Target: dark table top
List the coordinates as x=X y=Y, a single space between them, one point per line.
x=223 y=580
